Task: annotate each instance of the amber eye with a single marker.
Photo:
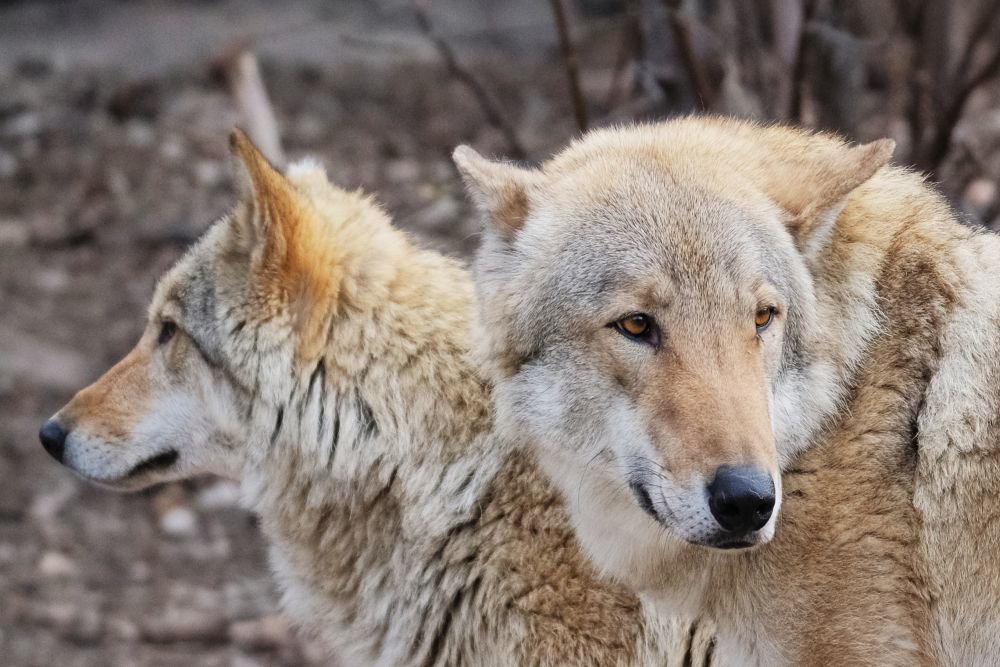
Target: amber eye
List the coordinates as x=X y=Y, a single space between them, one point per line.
x=762 y=318
x=635 y=325
x=638 y=326
x=167 y=331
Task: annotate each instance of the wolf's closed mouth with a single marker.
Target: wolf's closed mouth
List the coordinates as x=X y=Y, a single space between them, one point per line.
x=158 y=462
x=736 y=544
x=644 y=500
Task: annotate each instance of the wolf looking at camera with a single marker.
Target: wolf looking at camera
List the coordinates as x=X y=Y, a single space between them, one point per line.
x=763 y=367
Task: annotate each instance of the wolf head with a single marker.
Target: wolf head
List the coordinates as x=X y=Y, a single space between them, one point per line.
x=242 y=337
x=648 y=309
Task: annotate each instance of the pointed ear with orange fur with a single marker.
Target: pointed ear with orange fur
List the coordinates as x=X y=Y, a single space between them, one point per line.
x=295 y=267
x=499 y=189
x=264 y=190
x=812 y=186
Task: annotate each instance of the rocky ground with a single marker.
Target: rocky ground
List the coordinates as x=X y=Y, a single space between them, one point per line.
x=112 y=159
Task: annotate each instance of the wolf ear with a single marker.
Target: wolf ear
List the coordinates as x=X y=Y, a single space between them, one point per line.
x=271 y=197
x=499 y=189
x=294 y=266
x=813 y=188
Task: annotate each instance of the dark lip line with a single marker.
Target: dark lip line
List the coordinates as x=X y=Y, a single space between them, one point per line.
x=158 y=462
x=645 y=503
x=644 y=500
x=734 y=544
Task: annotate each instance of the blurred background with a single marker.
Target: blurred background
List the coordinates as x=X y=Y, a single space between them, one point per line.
x=113 y=125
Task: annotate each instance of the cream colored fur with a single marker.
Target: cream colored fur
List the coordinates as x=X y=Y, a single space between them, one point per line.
x=882 y=379
x=307 y=348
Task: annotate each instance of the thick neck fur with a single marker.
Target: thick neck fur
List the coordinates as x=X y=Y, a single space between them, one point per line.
x=401 y=525
x=847 y=540
x=842 y=318
x=818 y=381
x=379 y=452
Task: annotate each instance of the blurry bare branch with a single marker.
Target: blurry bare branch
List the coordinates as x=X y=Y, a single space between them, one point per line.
x=981 y=28
x=491 y=109
x=681 y=28
x=940 y=93
x=787 y=18
x=795 y=47
x=241 y=73
x=572 y=65
x=837 y=76
x=629 y=49
x=734 y=98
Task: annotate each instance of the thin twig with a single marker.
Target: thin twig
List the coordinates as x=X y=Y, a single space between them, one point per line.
x=494 y=116
x=572 y=65
x=629 y=50
x=622 y=57
x=984 y=25
x=241 y=73
x=948 y=119
x=948 y=113
x=685 y=48
x=975 y=167
x=980 y=28
x=798 y=73
x=914 y=26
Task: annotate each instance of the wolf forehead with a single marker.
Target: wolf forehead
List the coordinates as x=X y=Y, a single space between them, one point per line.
x=646 y=231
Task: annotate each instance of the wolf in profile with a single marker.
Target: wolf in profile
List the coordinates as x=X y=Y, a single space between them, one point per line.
x=307 y=348
x=763 y=367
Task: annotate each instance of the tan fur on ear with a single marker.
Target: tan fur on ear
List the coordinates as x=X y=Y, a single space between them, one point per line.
x=810 y=184
x=499 y=189
x=263 y=186
x=296 y=267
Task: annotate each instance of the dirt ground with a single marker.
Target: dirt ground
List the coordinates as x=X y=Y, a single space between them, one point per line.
x=112 y=159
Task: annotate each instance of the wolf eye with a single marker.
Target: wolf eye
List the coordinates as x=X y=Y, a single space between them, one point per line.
x=167 y=331
x=635 y=325
x=638 y=326
x=762 y=318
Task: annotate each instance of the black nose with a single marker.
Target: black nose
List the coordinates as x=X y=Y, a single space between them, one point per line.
x=53 y=437
x=741 y=498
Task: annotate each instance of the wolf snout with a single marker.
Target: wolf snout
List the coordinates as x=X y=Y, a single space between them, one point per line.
x=53 y=437
x=741 y=498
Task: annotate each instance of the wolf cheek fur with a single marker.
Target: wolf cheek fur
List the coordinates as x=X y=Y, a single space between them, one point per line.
x=882 y=300
x=307 y=348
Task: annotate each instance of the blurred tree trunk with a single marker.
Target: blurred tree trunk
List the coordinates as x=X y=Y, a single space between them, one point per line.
x=789 y=20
